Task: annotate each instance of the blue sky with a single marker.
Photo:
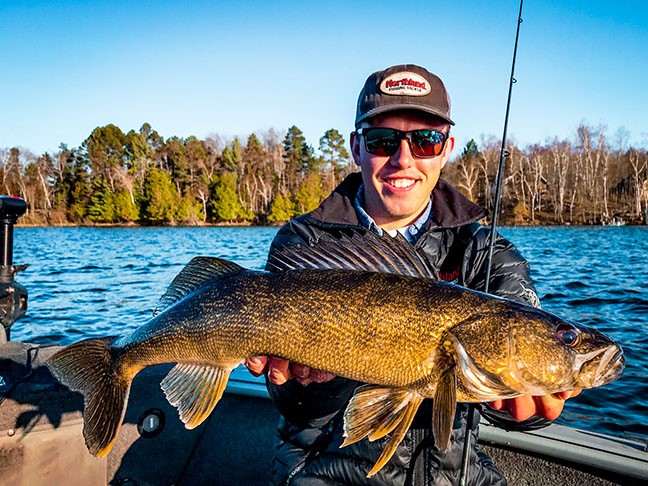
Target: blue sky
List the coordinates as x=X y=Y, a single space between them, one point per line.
x=233 y=68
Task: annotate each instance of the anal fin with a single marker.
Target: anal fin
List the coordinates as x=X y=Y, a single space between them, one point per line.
x=194 y=390
x=374 y=412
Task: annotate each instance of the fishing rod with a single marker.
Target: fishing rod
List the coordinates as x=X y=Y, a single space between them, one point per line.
x=465 y=458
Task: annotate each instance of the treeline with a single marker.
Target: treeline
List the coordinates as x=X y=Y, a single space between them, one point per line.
x=586 y=180
x=140 y=178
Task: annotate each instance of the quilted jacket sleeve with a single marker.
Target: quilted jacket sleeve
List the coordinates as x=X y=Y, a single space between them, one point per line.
x=510 y=273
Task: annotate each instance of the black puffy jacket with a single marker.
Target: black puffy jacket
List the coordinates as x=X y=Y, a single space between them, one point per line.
x=310 y=430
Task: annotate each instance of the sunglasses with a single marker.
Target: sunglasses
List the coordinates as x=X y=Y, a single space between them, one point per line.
x=386 y=141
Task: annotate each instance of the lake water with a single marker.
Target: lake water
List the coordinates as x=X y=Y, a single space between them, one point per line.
x=86 y=282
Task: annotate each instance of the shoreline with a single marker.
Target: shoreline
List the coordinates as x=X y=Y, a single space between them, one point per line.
x=279 y=224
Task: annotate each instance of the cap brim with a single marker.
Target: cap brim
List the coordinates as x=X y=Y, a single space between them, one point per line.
x=399 y=107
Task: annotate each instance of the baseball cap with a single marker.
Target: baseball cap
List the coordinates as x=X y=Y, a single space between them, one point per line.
x=403 y=87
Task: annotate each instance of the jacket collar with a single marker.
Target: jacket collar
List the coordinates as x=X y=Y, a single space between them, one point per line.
x=450 y=208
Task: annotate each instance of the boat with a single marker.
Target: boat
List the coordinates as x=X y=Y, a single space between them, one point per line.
x=41 y=422
x=615 y=221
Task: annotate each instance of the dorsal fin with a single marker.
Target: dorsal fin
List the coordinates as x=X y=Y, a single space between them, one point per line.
x=197 y=272
x=359 y=251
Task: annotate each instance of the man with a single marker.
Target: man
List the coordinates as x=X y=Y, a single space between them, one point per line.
x=401 y=143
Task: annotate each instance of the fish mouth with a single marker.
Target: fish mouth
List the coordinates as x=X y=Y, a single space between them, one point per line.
x=599 y=367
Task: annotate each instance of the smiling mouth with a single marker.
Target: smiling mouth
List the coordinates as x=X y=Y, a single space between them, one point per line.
x=400 y=183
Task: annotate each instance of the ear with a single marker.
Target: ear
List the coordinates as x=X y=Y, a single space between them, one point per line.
x=447 y=150
x=354 y=141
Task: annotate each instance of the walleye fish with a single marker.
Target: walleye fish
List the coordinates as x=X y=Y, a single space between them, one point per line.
x=363 y=307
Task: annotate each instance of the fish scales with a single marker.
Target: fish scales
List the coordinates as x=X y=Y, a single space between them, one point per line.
x=387 y=323
x=350 y=325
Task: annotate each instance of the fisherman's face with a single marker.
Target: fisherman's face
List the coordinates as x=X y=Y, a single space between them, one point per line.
x=397 y=188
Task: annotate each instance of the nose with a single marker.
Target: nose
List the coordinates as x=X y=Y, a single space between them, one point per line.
x=402 y=158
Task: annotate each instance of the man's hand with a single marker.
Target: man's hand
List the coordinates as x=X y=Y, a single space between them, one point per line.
x=547 y=406
x=279 y=370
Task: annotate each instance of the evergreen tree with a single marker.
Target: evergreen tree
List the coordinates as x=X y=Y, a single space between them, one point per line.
x=101 y=208
x=334 y=153
x=281 y=209
x=178 y=163
x=298 y=156
x=125 y=210
x=106 y=152
x=160 y=199
x=310 y=193
x=255 y=183
x=231 y=156
x=470 y=150
x=189 y=211
x=225 y=202
x=75 y=185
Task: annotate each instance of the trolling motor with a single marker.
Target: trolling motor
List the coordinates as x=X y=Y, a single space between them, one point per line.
x=13 y=296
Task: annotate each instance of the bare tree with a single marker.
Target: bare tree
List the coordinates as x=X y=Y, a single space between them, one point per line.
x=639 y=163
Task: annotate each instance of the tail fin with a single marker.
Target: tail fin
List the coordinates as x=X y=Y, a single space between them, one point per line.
x=88 y=367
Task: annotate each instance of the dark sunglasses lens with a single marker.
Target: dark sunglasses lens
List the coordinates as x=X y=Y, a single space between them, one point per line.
x=382 y=141
x=427 y=143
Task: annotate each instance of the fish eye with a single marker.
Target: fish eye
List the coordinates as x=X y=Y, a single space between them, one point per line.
x=568 y=335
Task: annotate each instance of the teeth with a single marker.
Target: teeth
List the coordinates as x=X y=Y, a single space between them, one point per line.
x=401 y=183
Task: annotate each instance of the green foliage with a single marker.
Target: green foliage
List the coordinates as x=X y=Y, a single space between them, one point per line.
x=225 y=204
x=105 y=148
x=160 y=198
x=281 y=209
x=126 y=211
x=101 y=208
x=231 y=156
x=310 y=193
x=177 y=161
x=74 y=185
x=297 y=153
x=189 y=211
x=333 y=148
x=470 y=150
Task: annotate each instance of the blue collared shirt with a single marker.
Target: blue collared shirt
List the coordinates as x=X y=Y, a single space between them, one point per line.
x=410 y=232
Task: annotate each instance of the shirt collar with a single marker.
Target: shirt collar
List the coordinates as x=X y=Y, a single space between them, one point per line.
x=410 y=232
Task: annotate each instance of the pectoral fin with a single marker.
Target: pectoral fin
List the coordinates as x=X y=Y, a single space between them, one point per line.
x=443 y=410
x=374 y=412
x=194 y=390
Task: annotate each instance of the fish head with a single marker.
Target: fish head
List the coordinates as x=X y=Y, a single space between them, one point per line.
x=527 y=351
x=599 y=360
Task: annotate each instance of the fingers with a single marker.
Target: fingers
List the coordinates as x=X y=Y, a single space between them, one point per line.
x=256 y=365
x=521 y=408
x=567 y=394
x=524 y=407
x=497 y=404
x=549 y=407
x=279 y=370
x=301 y=373
x=305 y=374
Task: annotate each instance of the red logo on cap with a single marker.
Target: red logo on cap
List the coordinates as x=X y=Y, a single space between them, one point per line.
x=390 y=83
x=405 y=83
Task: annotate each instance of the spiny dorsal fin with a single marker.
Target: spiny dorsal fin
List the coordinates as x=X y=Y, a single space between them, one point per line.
x=360 y=251
x=197 y=272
